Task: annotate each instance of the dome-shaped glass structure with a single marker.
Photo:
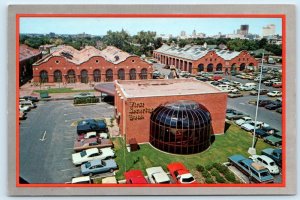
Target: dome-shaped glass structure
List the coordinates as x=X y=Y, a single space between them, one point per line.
x=181 y=127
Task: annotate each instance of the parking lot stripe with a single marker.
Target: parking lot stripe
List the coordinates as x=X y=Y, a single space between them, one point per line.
x=63 y=170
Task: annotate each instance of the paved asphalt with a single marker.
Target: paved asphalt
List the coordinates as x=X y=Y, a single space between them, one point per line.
x=49 y=161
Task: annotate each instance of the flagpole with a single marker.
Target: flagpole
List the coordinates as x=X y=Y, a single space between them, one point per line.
x=252 y=149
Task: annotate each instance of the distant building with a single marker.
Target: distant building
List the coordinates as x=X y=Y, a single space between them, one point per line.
x=197 y=58
x=269 y=30
x=69 y=65
x=27 y=56
x=235 y=36
x=244 y=30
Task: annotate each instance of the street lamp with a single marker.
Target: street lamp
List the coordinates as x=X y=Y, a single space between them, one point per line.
x=252 y=149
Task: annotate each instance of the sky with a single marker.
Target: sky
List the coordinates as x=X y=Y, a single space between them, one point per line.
x=99 y=26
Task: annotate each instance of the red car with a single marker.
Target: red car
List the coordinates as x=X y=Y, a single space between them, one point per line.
x=216 y=78
x=135 y=177
x=180 y=173
x=277 y=84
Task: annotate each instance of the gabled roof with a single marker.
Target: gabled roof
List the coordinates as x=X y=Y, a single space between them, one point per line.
x=110 y=54
x=26 y=52
x=195 y=52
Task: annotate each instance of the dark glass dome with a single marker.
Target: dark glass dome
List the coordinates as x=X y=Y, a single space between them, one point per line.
x=181 y=127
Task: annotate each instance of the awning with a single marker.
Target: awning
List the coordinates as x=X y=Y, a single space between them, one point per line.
x=107 y=88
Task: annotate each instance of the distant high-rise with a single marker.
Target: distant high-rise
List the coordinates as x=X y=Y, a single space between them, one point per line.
x=269 y=30
x=244 y=30
x=194 y=32
x=182 y=34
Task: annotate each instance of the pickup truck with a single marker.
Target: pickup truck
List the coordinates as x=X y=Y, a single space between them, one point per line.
x=275 y=154
x=255 y=172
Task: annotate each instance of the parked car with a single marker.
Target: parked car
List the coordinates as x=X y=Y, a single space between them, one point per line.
x=274 y=94
x=262 y=92
x=246 y=87
x=93 y=134
x=230 y=110
x=255 y=172
x=81 y=180
x=28 y=103
x=24 y=109
x=266 y=162
x=235 y=94
x=135 y=177
x=92 y=154
x=84 y=144
x=22 y=115
x=235 y=115
x=275 y=154
x=275 y=139
x=84 y=95
x=98 y=166
x=265 y=132
x=157 y=175
x=215 y=83
x=273 y=105
x=279 y=110
x=243 y=120
x=30 y=98
x=277 y=84
x=180 y=173
x=200 y=78
x=251 y=125
x=263 y=103
x=89 y=125
x=216 y=78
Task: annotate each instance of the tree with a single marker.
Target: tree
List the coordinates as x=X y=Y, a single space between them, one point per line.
x=262 y=43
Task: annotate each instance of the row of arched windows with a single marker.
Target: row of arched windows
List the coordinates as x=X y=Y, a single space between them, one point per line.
x=210 y=67
x=84 y=78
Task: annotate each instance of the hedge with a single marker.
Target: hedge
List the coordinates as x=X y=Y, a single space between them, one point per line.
x=86 y=100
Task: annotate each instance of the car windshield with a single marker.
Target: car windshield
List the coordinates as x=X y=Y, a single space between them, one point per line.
x=83 y=153
x=264 y=174
x=188 y=180
x=87 y=165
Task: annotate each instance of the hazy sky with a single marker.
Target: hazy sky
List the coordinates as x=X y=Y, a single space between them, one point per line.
x=99 y=26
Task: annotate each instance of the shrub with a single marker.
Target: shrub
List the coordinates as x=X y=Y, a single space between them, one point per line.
x=205 y=174
x=200 y=168
x=230 y=176
x=220 y=179
x=214 y=172
x=209 y=167
x=209 y=180
x=221 y=168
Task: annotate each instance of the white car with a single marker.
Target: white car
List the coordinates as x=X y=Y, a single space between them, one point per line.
x=242 y=121
x=266 y=162
x=23 y=108
x=274 y=94
x=250 y=126
x=92 y=154
x=246 y=87
x=94 y=134
x=157 y=175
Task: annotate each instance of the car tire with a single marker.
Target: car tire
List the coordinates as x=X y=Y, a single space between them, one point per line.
x=111 y=170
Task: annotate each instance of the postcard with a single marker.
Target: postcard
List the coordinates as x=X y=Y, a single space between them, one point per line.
x=164 y=100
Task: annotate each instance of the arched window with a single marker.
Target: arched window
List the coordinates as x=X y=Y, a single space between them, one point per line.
x=210 y=67
x=132 y=74
x=200 y=67
x=121 y=74
x=71 y=78
x=97 y=75
x=57 y=76
x=44 y=76
x=84 y=76
x=233 y=67
x=109 y=75
x=242 y=66
x=144 y=73
x=219 y=67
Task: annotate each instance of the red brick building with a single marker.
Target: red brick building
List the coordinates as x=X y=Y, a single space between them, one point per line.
x=27 y=56
x=137 y=102
x=69 y=65
x=197 y=58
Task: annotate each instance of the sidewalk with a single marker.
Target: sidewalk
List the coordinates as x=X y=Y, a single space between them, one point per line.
x=28 y=89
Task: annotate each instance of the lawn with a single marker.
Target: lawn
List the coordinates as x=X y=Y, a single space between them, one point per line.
x=234 y=141
x=62 y=90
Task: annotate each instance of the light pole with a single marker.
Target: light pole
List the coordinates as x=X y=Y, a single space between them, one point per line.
x=252 y=149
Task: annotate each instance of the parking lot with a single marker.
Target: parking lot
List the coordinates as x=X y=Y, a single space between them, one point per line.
x=47 y=138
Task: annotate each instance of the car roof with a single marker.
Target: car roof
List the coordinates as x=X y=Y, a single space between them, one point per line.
x=95 y=162
x=81 y=179
x=92 y=150
x=152 y=170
